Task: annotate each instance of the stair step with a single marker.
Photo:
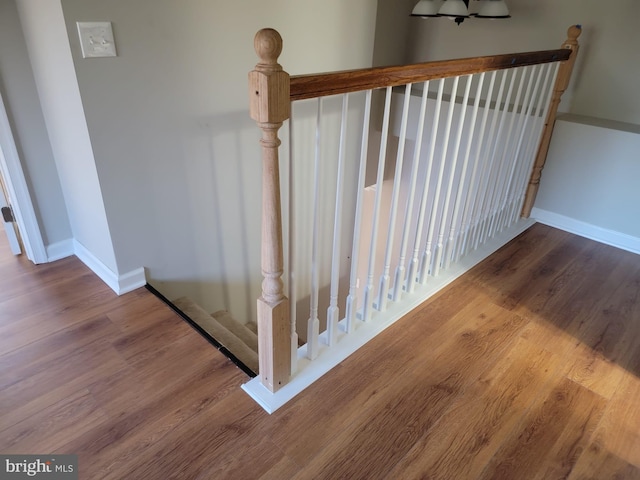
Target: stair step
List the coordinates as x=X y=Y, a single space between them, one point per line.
x=253 y=326
x=237 y=328
x=218 y=331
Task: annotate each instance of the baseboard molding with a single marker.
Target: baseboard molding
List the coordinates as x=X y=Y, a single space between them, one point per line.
x=120 y=284
x=60 y=250
x=131 y=281
x=587 y=230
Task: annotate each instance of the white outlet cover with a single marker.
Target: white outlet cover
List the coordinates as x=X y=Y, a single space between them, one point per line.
x=96 y=39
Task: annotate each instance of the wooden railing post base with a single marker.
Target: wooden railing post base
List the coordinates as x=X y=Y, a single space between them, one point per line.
x=274 y=347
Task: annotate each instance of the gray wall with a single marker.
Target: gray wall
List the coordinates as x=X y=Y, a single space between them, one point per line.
x=603 y=191
x=176 y=153
x=392 y=31
x=27 y=124
x=48 y=48
x=608 y=68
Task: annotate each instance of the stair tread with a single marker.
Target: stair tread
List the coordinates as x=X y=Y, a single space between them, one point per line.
x=253 y=326
x=240 y=330
x=211 y=325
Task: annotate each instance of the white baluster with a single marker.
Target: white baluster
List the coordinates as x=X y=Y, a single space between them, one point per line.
x=509 y=162
x=400 y=270
x=313 y=324
x=534 y=137
x=512 y=162
x=474 y=182
x=292 y=252
x=333 y=311
x=519 y=164
x=383 y=292
x=414 y=265
x=523 y=121
x=369 y=288
x=529 y=151
x=525 y=178
x=463 y=174
x=352 y=298
x=497 y=158
x=487 y=167
x=426 y=257
x=452 y=174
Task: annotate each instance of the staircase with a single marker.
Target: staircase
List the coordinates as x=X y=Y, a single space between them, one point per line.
x=241 y=340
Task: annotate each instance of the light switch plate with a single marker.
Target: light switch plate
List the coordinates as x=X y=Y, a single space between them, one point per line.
x=96 y=39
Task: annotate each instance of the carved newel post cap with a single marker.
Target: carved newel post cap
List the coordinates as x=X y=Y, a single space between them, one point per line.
x=269 y=85
x=574 y=32
x=268 y=46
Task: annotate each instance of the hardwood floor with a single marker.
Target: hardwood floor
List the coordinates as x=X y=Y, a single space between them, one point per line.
x=527 y=367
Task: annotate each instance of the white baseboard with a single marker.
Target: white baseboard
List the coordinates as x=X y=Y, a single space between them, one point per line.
x=131 y=280
x=120 y=284
x=59 y=250
x=593 y=232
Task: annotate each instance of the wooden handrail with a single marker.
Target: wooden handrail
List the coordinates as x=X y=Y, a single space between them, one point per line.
x=333 y=83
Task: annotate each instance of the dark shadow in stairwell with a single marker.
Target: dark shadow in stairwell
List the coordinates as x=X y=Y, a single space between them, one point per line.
x=224 y=350
x=223 y=194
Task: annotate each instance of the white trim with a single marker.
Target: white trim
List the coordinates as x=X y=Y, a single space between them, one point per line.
x=18 y=192
x=120 y=284
x=9 y=229
x=131 y=280
x=58 y=250
x=310 y=371
x=587 y=230
x=96 y=266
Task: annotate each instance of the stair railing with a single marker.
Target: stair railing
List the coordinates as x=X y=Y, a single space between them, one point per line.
x=485 y=123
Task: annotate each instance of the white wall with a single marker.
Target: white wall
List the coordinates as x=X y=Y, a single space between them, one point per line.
x=48 y=48
x=608 y=66
x=176 y=152
x=590 y=183
x=18 y=89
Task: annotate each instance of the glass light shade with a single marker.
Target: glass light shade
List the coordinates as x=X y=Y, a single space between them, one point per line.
x=454 y=8
x=474 y=6
x=427 y=8
x=493 y=9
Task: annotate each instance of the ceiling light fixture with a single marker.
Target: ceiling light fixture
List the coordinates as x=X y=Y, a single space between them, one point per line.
x=458 y=10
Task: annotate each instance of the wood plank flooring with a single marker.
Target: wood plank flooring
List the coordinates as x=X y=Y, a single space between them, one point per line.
x=527 y=367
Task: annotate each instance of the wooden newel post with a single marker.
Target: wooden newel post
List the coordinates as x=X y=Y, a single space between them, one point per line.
x=562 y=81
x=270 y=106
